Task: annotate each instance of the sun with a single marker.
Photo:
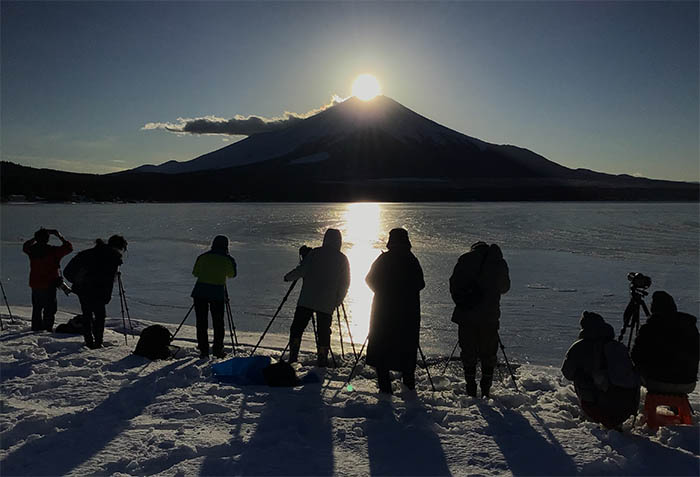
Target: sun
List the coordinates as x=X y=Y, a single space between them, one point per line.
x=366 y=87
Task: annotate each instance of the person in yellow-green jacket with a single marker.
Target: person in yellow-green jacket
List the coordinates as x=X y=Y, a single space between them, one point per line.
x=212 y=268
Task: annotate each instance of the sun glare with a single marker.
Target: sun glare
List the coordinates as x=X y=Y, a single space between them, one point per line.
x=366 y=87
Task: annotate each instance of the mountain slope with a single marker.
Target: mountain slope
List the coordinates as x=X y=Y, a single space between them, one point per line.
x=377 y=138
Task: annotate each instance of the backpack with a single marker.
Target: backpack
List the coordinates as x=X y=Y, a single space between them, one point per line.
x=280 y=374
x=471 y=295
x=154 y=343
x=74 y=326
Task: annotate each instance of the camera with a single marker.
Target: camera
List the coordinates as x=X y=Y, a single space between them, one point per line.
x=638 y=280
x=63 y=286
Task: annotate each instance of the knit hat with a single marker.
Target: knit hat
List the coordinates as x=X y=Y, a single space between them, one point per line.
x=398 y=237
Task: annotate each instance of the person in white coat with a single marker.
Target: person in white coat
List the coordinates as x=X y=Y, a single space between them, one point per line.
x=326 y=277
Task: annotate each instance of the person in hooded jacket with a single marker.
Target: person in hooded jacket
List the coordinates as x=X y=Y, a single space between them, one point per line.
x=666 y=350
x=326 y=278
x=212 y=268
x=478 y=280
x=92 y=273
x=44 y=276
x=396 y=278
x=604 y=377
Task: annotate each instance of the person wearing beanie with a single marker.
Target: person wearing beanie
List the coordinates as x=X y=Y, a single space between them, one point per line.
x=478 y=280
x=325 y=272
x=44 y=275
x=212 y=268
x=604 y=377
x=92 y=274
x=667 y=348
x=396 y=278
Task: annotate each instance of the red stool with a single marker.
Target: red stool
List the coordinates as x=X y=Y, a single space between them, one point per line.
x=679 y=410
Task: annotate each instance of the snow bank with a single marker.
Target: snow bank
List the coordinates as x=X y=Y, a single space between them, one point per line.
x=70 y=410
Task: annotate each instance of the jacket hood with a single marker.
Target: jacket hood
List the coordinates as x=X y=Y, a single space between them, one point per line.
x=662 y=303
x=594 y=327
x=333 y=239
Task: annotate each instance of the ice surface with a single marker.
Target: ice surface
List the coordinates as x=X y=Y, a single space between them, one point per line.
x=564 y=258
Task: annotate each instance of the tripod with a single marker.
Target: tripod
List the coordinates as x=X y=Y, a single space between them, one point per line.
x=123 y=305
x=229 y=318
x=631 y=314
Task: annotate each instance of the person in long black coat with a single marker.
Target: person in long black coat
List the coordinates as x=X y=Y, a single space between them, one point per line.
x=396 y=278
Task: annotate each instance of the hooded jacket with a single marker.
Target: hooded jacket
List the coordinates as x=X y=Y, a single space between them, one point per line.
x=666 y=350
x=326 y=274
x=484 y=266
x=596 y=363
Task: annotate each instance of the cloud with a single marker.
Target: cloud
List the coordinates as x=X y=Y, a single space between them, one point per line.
x=238 y=125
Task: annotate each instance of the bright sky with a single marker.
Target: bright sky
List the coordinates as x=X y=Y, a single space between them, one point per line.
x=607 y=86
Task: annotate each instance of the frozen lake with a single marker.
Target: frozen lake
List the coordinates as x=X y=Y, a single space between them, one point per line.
x=563 y=258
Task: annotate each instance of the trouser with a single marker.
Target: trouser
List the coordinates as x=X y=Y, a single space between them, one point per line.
x=201 y=310
x=44 y=306
x=94 y=314
x=479 y=342
x=302 y=315
x=408 y=375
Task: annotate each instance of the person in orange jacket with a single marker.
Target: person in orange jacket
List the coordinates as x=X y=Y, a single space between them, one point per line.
x=44 y=275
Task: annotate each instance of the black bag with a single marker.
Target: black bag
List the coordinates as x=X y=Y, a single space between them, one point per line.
x=74 y=326
x=280 y=374
x=154 y=343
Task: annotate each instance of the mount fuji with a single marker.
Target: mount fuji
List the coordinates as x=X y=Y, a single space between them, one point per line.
x=355 y=150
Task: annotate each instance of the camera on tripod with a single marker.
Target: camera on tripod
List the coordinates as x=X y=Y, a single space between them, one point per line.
x=638 y=290
x=638 y=280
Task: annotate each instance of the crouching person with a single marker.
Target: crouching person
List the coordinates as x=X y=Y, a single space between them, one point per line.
x=212 y=268
x=666 y=351
x=604 y=377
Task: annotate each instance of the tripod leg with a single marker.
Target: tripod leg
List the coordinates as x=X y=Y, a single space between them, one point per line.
x=230 y=324
x=447 y=364
x=121 y=304
x=172 y=338
x=347 y=323
x=12 y=320
x=340 y=333
x=357 y=360
x=425 y=365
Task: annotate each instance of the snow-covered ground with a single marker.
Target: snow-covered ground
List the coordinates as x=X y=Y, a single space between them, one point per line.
x=70 y=410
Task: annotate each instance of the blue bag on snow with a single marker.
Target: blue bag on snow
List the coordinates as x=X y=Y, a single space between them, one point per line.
x=244 y=371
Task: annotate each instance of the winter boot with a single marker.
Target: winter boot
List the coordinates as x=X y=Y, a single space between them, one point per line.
x=294 y=345
x=486 y=380
x=322 y=356
x=470 y=378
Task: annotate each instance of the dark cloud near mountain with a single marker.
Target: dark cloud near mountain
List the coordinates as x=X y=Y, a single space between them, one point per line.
x=238 y=125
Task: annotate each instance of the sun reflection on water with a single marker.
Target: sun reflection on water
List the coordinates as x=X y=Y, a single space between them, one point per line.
x=361 y=233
